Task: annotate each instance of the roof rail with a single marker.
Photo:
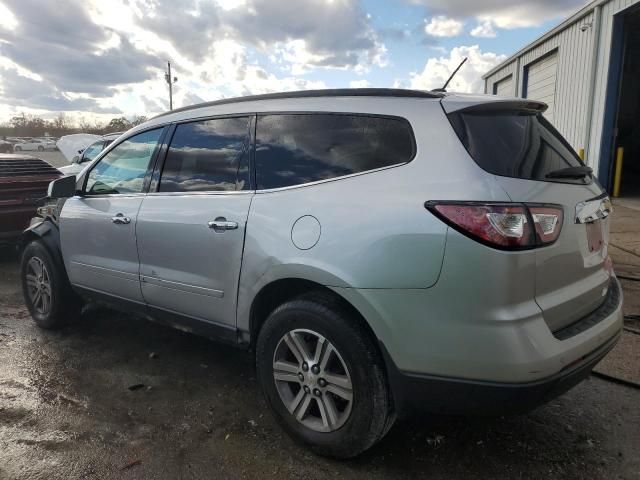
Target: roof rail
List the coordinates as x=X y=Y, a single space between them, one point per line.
x=330 y=92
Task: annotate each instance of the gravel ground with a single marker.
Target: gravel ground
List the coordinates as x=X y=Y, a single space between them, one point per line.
x=624 y=360
x=66 y=411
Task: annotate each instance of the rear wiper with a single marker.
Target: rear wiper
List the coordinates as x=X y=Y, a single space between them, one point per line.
x=571 y=172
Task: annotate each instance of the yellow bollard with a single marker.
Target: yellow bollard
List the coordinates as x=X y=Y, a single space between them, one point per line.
x=617 y=177
x=581 y=154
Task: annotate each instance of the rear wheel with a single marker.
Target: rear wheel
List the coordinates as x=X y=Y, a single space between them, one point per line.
x=46 y=290
x=17 y=148
x=323 y=377
x=40 y=148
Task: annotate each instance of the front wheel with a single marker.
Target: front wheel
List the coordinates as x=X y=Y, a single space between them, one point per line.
x=17 y=149
x=40 y=148
x=46 y=290
x=323 y=377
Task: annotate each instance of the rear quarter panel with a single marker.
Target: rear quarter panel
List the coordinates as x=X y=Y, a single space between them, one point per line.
x=375 y=232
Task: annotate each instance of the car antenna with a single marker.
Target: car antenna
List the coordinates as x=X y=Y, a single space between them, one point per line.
x=446 y=84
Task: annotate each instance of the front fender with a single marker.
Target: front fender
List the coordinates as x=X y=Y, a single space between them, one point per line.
x=48 y=233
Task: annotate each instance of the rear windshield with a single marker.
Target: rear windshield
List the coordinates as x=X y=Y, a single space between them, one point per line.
x=514 y=144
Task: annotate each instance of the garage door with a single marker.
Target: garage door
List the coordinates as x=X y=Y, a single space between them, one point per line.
x=541 y=82
x=504 y=87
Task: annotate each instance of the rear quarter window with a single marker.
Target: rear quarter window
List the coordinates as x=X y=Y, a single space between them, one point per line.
x=514 y=144
x=294 y=149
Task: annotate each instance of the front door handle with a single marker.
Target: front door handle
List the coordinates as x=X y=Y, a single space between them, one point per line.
x=221 y=224
x=120 y=219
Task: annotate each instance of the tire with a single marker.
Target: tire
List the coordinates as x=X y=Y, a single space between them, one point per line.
x=354 y=427
x=17 y=149
x=41 y=148
x=62 y=305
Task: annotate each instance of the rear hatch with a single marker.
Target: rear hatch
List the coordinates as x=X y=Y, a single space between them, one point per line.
x=533 y=163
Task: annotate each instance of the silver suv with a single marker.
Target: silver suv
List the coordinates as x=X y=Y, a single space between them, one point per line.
x=379 y=250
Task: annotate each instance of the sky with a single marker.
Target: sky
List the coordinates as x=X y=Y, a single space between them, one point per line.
x=97 y=59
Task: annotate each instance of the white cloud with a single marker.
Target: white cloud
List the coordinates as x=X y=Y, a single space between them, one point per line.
x=214 y=47
x=231 y=4
x=299 y=59
x=484 y=30
x=7 y=18
x=442 y=26
x=324 y=34
x=504 y=13
x=467 y=80
x=359 y=84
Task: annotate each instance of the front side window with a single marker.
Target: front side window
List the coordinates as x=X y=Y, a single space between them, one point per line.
x=211 y=155
x=92 y=151
x=293 y=149
x=123 y=169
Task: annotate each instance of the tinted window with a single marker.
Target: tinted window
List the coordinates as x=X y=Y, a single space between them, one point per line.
x=123 y=169
x=208 y=156
x=297 y=149
x=92 y=151
x=514 y=145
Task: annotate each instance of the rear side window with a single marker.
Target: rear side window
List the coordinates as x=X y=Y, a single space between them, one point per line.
x=211 y=155
x=514 y=144
x=292 y=149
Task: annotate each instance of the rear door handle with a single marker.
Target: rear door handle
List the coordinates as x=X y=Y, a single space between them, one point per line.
x=221 y=224
x=120 y=219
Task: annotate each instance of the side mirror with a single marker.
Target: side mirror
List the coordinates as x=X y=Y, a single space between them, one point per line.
x=64 y=187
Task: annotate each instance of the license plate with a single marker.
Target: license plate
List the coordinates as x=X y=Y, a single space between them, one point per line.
x=595 y=240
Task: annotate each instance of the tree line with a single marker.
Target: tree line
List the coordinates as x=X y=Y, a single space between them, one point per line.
x=27 y=125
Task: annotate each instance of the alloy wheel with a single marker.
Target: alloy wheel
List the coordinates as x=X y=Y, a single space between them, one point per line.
x=38 y=285
x=313 y=380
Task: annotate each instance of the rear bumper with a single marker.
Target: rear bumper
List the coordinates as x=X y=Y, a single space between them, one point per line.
x=415 y=392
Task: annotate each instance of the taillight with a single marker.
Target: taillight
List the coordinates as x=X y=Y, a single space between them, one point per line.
x=507 y=226
x=548 y=222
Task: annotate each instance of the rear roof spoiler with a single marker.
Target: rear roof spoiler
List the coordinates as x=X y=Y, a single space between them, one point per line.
x=490 y=103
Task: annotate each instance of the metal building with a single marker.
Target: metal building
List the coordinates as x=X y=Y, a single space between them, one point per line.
x=587 y=69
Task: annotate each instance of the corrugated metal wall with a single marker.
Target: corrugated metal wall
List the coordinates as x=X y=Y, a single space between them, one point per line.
x=508 y=70
x=574 y=67
x=540 y=81
x=504 y=87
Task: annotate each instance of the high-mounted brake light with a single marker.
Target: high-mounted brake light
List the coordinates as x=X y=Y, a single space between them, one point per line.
x=507 y=226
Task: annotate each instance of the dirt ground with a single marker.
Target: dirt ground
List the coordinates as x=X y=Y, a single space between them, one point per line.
x=113 y=396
